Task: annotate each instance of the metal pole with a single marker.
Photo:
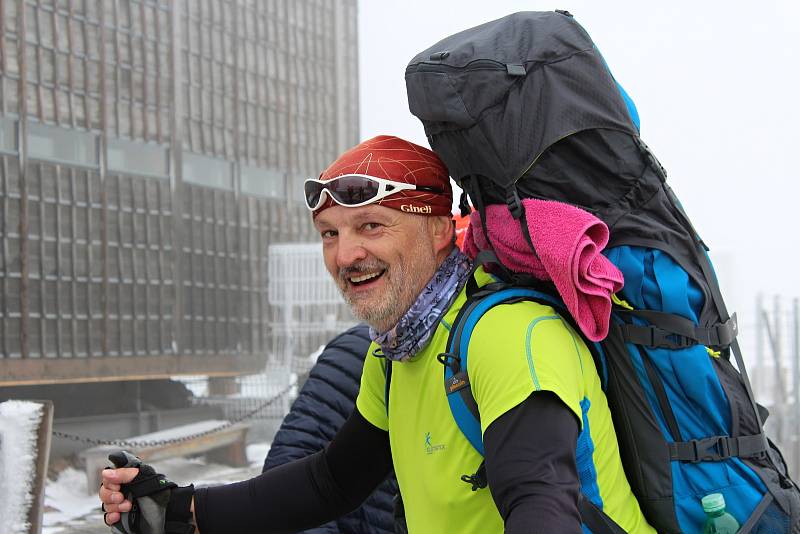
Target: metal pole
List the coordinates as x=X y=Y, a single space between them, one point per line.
x=774 y=333
x=22 y=144
x=795 y=467
x=103 y=171
x=759 y=374
x=778 y=349
x=176 y=169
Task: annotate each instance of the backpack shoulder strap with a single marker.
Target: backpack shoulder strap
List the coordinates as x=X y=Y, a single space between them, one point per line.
x=387 y=366
x=459 y=392
x=455 y=360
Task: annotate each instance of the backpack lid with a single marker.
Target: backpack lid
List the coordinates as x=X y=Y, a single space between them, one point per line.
x=494 y=97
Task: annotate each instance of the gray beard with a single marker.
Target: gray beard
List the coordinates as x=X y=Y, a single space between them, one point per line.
x=383 y=316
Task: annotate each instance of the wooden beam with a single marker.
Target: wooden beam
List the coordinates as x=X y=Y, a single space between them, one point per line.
x=32 y=371
x=229 y=445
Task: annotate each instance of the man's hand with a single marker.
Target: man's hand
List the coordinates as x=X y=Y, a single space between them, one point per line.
x=110 y=492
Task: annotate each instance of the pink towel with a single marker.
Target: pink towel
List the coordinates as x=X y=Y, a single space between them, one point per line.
x=568 y=241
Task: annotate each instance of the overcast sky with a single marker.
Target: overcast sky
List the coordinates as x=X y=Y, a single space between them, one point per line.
x=716 y=86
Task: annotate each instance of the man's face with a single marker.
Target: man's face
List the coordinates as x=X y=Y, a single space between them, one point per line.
x=380 y=258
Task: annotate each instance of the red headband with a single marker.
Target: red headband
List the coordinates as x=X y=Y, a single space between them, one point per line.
x=395 y=159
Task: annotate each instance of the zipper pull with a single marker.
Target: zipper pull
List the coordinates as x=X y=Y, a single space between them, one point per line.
x=438 y=56
x=515 y=69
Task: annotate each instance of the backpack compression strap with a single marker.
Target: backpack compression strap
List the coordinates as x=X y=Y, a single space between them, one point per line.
x=459 y=393
x=675 y=332
x=716 y=447
x=472 y=188
x=672 y=331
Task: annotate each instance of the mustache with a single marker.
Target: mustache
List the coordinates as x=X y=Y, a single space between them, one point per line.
x=362 y=268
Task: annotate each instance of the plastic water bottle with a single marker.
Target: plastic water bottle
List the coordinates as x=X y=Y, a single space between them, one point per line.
x=717 y=519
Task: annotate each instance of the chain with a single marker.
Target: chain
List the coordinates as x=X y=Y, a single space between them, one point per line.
x=160 y=442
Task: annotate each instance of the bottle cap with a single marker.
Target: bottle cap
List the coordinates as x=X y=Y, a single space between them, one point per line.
x=713 y=503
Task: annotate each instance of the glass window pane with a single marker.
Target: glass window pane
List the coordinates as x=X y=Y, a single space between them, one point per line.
x=296 y=187
x=263 y=182
x=62 y=145
x=137 y=158
x=8 y=135
x=207 y=171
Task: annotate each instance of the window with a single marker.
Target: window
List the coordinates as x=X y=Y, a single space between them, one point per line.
x=207 y=171
x=137 y=158
x=296 y=188
x=8 y=135
x=61 y=145
x=263 y=182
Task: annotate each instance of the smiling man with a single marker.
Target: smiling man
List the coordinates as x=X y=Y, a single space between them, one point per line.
x=379 y=256
x=380 y=259
x=383 y=213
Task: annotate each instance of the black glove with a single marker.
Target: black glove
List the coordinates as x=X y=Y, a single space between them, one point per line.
x=159 y=505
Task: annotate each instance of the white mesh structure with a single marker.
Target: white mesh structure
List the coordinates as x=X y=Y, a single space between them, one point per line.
x=297 y=276
x=306 y=307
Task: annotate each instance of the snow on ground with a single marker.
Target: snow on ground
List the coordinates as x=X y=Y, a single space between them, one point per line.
x=19 y=423
x=66 y=498
x=70 y=510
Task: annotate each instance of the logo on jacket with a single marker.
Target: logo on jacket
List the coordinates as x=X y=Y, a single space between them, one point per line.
x=430 y=448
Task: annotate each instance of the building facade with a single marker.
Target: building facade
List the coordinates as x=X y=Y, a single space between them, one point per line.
x=150 y=152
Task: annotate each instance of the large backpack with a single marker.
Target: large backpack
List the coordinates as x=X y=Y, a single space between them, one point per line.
x=526 y=107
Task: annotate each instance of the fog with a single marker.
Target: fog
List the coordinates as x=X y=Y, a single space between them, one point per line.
x=716 y=86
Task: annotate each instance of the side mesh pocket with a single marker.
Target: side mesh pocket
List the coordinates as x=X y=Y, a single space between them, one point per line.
x=743 y=420
x=772 y=521
x=782 y=515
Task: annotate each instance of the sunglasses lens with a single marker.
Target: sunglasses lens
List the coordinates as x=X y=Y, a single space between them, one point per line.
x=350 y=190
x=313 y=190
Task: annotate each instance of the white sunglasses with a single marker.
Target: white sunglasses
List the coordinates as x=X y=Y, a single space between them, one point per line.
x=354 y=190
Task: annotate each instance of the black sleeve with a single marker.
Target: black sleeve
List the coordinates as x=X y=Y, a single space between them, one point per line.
x=304 y=493
x=530 y=466
x=325 y=401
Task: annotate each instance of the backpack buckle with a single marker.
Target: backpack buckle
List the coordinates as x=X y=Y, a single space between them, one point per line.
x=722 y=447
x=711 y=449
x=677 y=341
x=653 y=336
x=478 y=479
x=463 y=204
x=725 y=333
x=513 y=202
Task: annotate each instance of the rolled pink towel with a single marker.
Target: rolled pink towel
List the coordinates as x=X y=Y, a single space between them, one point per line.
x=569 y=242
